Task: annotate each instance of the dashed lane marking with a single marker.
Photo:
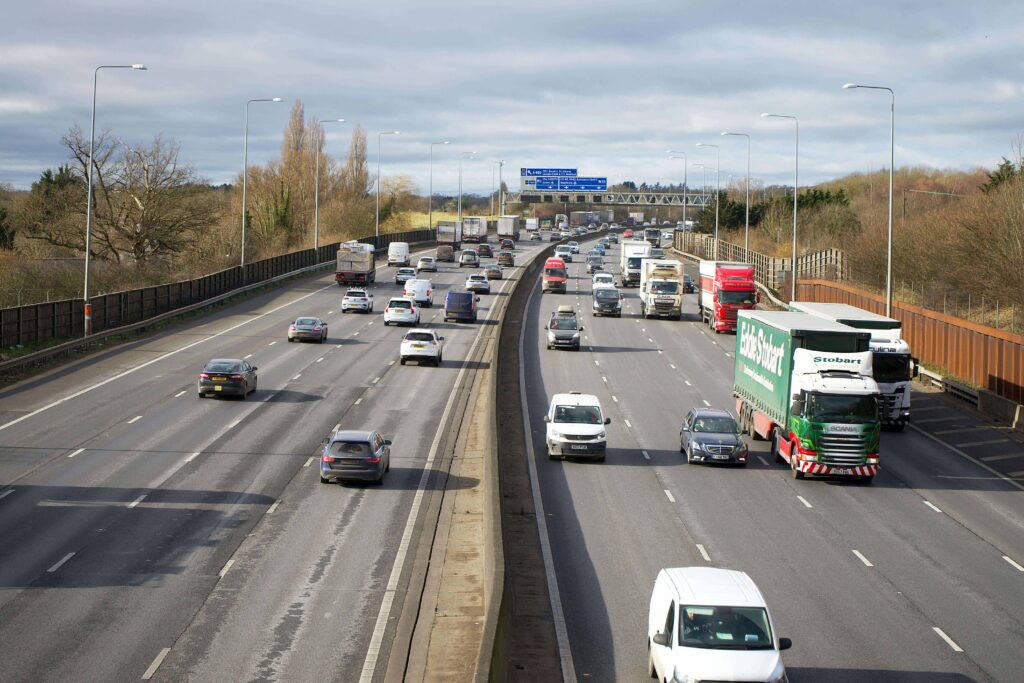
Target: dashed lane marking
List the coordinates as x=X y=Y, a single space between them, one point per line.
x=180 y=393
x=135 y=419
x=60 y=563
x=272 y=343
x=687 y=382
x=136 y=501
x=615 y=398
x=273 y=507
x=628 y=425
x=320 y=359
x=156 y=664
x=671 y=498
x=1013 y=563
x=706 y=402
x=308 y=461
x=802 y=499
x=247 y=357
x=949 y=641
x=358 y=401
x=672 y=366
x=74 y=453
x=375 y=380
x=860 y=556
x=193 y=456
x=997 y=458
x=227 y=566
x=6 y=493
x=763 y=461
x=932 y=506
x=647 y=456
x=703 y=553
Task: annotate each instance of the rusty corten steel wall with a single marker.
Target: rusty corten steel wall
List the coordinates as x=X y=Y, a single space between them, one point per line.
x=981 y=355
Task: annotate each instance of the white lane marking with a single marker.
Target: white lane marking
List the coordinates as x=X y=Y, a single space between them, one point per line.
x=932 y=506
x=687 y=382
x=643 y=329
x=965 y=456
x=320 y=359
x=801 y=499
x=355 y=334
x=247 y=357
x=330 y=312
x=358 y=401
x=597 y=362
x=628 y=425
x=671 y=498
x=135 y=419
x=337 y=346
x=1013 y=563
x=391 y=363
x=647 y=455
x=949 y=641
x=703 y=553
x=74 y=453
x=156 y=664
x=660 y=351
x=10 y=491
x=369 y=323
x=273 y=507
x=763 y=461
x=615 y=398
x=860 y=556
x=650 y=340
x=715 y=343
x=375 y=380
x=297 y=376
x=672 y=366
x=193 y=456
x=728 y=355
x=272 y=343
x=706 y=402
x=59 y=564
x=308 y=461
x=337 y=426
x=604 y=379
x=227 y=566
x=136 y=501
x=180 y=393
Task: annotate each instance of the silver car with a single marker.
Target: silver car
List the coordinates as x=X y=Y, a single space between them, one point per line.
x=313 y=329
x=355 y=456
x=427 y=263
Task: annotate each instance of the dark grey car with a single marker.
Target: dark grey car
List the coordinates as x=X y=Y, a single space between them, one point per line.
x=227 y=377
x=710 y=435
x=563 y=332
x=355 y=456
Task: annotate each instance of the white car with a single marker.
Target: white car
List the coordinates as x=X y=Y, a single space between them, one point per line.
x=427 y=263
x=574 y=246
x=404 y=275
x=357 y=300
x=711 y=624
x=420 y=291
x=603 y=279
x=401 y=311
x=422 y=345
x=478 y=282
x=575 y=427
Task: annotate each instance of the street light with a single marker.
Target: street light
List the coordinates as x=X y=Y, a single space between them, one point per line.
x=704 y=178
x=686 y=188
x=718 y=187
x=501 y=192
x=316 y=191
x=245 y=165
x=430 y=196
x=892 y=125
x=746 y=232
x=796 y=179
x=376 y=225
x=464 y=155
x=88 y=195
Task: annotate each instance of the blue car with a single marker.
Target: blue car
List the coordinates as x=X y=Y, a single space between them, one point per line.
x=599 y=249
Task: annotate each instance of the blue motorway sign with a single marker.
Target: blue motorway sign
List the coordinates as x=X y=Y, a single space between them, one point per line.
x=552 y=172
x=572 y=184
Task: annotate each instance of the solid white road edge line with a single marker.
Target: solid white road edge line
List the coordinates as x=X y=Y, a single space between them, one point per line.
x=860 y=556
x=703 y=553
x=1013 y=563
x=227 y=566
x=156 y=664
x=60 y=563
x=949 y=641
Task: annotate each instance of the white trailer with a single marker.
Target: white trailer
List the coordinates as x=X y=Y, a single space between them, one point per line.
x=631 y=257
x=661 y=288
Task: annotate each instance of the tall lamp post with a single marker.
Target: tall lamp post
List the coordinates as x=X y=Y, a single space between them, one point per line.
x=718 y=187
x=245 y=165
x=316 y=190
x=746 y=231
x=430 y=194
x=892 y=126
x=673 y=154
x=464 y=155
x=376 y=224
x=501 y=192
x=796 y=187
x=88 y=195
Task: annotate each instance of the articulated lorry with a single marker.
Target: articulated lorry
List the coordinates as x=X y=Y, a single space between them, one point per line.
x=805 y=384
x=474 y=229
x=631 y=258
x=508 y=228
x=892 y=365
x=355 y=264
x=450 y=233
x=661 y=288
x=725 y=289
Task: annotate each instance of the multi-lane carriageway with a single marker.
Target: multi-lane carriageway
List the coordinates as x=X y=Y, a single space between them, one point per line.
x=147 y=534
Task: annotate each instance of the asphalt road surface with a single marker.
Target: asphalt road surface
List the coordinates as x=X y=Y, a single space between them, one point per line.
x=917 y=577
x=145 y=532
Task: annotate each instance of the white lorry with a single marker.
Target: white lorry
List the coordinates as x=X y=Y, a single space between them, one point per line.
x=893 y=368
x=474 y=229
x=508 y=228
x=630 y=259
x=450 y=233
x=531 y=224
x=661 y=288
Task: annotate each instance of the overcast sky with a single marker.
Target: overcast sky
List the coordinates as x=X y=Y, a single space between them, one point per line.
x=603 y=85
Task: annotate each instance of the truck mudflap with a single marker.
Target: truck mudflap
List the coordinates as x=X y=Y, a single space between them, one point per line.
x=809 y=467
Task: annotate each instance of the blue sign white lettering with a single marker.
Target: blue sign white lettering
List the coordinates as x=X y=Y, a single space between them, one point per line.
x=553 y=172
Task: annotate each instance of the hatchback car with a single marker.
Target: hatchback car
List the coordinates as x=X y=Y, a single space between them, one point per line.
x=355 y=456
x=597 y=249
x=313 y=329
x=575 y=427
x=536 y=236
x=493 y=272
x=613 y=238
x=485 y=251
x=563 y=252
x=427 y=263
x=422 y=346
x=506 y=258
x=506 y=244
x=574 y=247
x=554 y=236
x=709 y=435
x=357 y=300
x=602 y=278
x=401 y=311
x=469 y=257
x=445 y=252
x=595 y=263
x=404 y=275
x=477 y=282
x=227 y=377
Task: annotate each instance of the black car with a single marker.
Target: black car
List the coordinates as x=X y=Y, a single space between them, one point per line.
x=689 y=286
x=709 y=435
x=227 y=376
x=355 y=456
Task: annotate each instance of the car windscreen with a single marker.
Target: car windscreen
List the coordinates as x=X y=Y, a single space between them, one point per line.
x=419 y=337
x=727 y=297
x=606 y=294
x=399 y=304
x=554 y=272
x=634 y=261
x=406 y=271
x=459 y=303
x=590 y=415
x=725 y=628
x=223 y=366
x=563 y=324
x=351 y=449
x=715 y=425
x=594 y=259
x=357 y=293
x=665 y=287
x=306 y=322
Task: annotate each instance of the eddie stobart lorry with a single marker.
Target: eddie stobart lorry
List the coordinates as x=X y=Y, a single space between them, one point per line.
x=805 y=384
x=891 y=363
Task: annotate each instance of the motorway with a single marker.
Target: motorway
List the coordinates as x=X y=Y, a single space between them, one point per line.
x=917 y=577
x=149 y=534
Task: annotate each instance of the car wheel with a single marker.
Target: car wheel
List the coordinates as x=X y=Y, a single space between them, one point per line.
x=651 y=671
x=324 y=480
x=202 y=395
x=401 y=361
x=775 y=448
x=552 y=456
x=245 y=395
x=689 y=458
x=290 y=340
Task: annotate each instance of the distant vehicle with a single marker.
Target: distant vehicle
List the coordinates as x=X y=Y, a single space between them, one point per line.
x=477 y=282
x=506 y=258
x=603 y=278
x=485 y=251
x=493 y=272
x=420 y=291
x=554 y=278
x=595 y=263
x=536 y=237
x=398 y=254
x=420 y=346
x=449 y=233
x=508 y=227
x=604 y=242
x=597 y=249
x=709 y=624
x=575 y=427
x=574 y=246
x=357 y=300
x=709 y=435
x=307 y=327
x=228 y=377
x=657 y=253
x=565 y=234
x=631 y=261
x=726 y=289
x=427 y=263
x=563 y=331
x=403 y=275
x=667 y=234
x=661 y=288
x=469 y=257
x=460 y=307
x=355 y=264
x=474 y=229
x=613 y=238
x=653 y=235
x=554 y=236
x=607 y=301
x=564 y=311
x=445 y=252
x=355 y=456
x=689 y=287
x=561 y=220
x=401 y=311
x=531 y=224
x=564 y=252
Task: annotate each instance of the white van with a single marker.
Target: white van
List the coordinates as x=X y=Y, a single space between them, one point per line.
x=575 y=425
x=398 y=254
x=420 y=291
x=711 y=624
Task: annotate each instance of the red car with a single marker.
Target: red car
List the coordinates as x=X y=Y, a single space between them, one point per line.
x=627 y=234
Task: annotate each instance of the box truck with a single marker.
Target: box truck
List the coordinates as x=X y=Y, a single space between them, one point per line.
x=531 y=224
x=630 y=260
x=508 y=228
x=450 y=233
x=355 y=264
x=661 y=288
x=474 y=229
x=726 y=288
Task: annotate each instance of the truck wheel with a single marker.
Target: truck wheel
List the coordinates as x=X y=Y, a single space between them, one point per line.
x=775 y=448
x=899 y=426
x=866 y=480
x=797 y=474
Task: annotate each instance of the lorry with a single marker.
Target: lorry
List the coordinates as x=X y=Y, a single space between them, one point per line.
x=630 y=259
x=355 y=264
x=892 y=365
x=555 y=276
x=531 y=224
x=508 y=228
x=726 y=287
x=561 y=221
x=474 y=229
x=653 y=235
x=661 y=288
x=635 y=218
x=450 y=233
x=804 y=383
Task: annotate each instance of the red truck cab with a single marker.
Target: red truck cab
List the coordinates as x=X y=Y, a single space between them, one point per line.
x=555 y=276
x=726 y=288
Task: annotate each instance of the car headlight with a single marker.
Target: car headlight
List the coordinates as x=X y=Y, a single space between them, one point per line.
x=576 y=335
x=680 y=677
x=779 y=677
x=555 y=435
x=696 y=445
x=602 y=435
